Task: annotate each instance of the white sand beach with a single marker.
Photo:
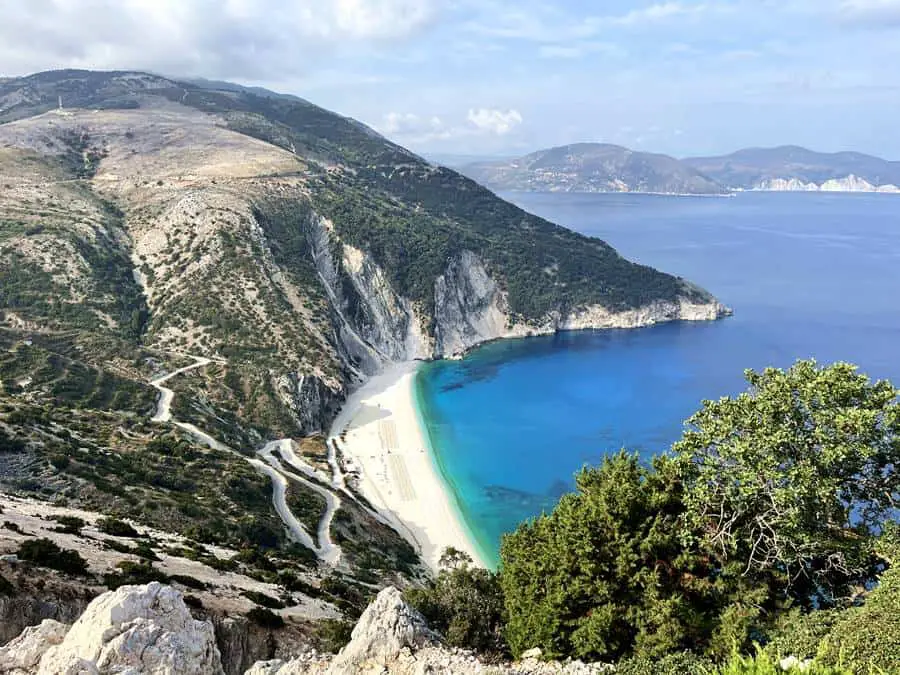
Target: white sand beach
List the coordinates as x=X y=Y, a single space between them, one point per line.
x=380 y=439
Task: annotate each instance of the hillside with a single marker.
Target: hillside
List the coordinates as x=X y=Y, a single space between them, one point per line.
x=592 y=167
x=192 y=279
x=795 y=168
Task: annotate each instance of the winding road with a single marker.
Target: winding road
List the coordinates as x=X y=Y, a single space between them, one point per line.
x=325 y=549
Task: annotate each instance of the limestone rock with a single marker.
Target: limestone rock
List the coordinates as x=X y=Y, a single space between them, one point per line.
x=136 y=629
x=387 y=627
x=22 y=654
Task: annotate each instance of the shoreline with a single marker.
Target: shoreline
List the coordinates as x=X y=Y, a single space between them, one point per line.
x=385 y=446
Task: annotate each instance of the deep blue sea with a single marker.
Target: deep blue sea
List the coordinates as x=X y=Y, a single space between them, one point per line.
x=808 y=275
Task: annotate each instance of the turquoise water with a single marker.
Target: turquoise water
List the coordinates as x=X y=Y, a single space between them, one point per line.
x=807 y=275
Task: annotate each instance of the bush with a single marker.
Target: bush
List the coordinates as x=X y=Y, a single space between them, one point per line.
x=465 y=604
x=134 y=573
x=263 y=599
x=117 y=528
x=868 y=637
x=193 y=602
x=188 y=582
x=45 y=553
x=69 y=524
x=765 y=664
x=684 y=663
x=798 y=633
x=6 y=587
x=265 y=618
x=606 y=575
x=333 y=635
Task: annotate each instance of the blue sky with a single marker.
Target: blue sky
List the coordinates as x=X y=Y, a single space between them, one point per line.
x=503 y=77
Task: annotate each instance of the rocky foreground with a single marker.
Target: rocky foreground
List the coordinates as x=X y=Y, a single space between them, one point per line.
x=149 y=629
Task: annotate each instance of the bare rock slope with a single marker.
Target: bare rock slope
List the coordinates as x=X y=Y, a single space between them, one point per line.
x=148 y=630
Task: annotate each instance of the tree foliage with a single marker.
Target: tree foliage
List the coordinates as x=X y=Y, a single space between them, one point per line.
x=797 y=475
x=771 y=507
x=606 y=575
x=464 y=603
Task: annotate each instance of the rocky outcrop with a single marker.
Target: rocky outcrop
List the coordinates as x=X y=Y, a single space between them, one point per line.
x=23 y=654
x=391 y=638
x=469 y=307
x=314 y=403
x=387 y=627
x=135 y=629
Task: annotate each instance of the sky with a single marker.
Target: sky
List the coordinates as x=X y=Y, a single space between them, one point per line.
x=506 y=77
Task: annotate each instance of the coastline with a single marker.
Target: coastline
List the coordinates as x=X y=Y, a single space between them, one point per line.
x=386 y=448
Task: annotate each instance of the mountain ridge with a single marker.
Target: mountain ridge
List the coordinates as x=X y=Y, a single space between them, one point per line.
x=760 y=168
x=592 y=167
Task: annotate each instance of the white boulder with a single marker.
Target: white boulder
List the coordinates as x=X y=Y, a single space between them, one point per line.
x=22 y=655
x=136 y=629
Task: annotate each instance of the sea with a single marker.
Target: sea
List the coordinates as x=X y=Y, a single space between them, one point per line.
x=807 y=275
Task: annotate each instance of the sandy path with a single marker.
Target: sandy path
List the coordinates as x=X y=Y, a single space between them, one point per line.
x=279 y=500
x=166 y=395
x=326 y=550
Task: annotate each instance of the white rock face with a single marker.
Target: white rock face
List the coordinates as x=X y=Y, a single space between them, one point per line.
x=469 y=307
x=787 y=185
x=22 y=655
x=377 y=326
x=136 y=629
x=849 y=183
x=387 y=627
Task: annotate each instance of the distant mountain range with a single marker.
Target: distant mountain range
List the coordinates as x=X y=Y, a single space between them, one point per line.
x=592 y=167
x=598 y=167
x=794 y=168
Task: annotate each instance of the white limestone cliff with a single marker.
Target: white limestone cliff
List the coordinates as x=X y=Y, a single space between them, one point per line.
x=849 y=183
x=378 y=326
x=130 y=631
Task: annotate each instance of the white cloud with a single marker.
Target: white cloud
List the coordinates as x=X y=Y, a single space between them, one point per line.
x=414 y=129
x=578 y=50
x=872 y=13
x=406 y=124
x=658 y=12
x=255 y=39
x=494 y=121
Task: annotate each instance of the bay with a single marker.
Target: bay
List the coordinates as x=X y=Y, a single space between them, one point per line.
x=808 y=275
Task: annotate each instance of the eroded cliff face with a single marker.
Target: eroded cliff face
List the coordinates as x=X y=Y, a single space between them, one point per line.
x=375 y=325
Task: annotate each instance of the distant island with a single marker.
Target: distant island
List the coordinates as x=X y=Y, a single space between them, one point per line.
x=593 y=167
x=601 y=167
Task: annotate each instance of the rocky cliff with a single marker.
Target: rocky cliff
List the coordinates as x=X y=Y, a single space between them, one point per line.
x=148 y=630
x=849 y=183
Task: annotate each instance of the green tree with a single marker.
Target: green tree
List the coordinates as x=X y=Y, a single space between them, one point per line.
x=796 y=477
x=464 y=603
x=606 y=575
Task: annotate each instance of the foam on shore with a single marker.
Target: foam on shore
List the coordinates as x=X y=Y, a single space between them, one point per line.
x=382 y=440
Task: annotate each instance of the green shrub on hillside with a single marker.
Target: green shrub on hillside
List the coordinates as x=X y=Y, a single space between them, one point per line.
x=265 y=618
x=46 y=553
x=117 y=528
x=464 y=604
x=867 y=638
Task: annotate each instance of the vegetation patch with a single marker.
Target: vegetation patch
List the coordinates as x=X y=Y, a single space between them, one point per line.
x=46 y=553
